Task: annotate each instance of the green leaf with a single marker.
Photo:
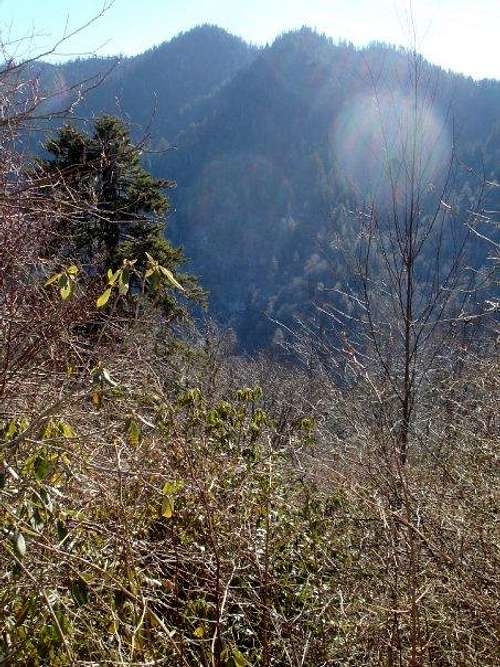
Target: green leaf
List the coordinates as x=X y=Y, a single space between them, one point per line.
x=172 y=487
x=134 y=432
x=12 y=429
x=257 y=393
x=23 y=424
x=20 y=545
x=66 y=429
x=47 y=500
x=65 y=286
x=238 y=658
x=104 y=298
x=62 y=531
x=79 y=592
x=53 y=279
x=66 y=290
x=41 y=466
x=167 y=508
x=112 y=277
x=168 y=274
x=48 y=430
x=37 y=522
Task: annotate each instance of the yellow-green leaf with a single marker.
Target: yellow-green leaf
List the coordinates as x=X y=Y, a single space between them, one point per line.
x=167 y=508
x=172 y=487
x=53 y=279
x=123 y=288
x=66 y=290
x=168 y=274
x=104 y=298
x=134 y=432
x=238 y=658
x=72 y=270
x=66 y=429
x=12 y=429
x=112 y=277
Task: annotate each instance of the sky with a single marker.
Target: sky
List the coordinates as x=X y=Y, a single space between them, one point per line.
x=461 y=35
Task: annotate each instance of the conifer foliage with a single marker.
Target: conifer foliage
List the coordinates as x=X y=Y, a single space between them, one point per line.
x=117 y=210
x=166 y=501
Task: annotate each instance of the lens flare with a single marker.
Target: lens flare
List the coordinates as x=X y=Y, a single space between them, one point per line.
x=383 y=143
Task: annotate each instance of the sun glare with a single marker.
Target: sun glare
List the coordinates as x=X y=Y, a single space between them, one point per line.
x=380 y=141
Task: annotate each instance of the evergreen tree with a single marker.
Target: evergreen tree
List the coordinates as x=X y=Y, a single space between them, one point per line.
x=119 y=211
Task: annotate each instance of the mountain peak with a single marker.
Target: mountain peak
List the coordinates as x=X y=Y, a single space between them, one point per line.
x=303 y=38
x=207 y=34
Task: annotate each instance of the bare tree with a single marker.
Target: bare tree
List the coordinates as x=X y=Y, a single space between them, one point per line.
x=411 y=283
x=397 y=331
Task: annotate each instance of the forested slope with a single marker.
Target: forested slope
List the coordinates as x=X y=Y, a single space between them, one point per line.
x=165 y=500
x=269 y=155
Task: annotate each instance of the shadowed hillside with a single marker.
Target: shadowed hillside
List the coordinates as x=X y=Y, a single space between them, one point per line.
x=274 y=147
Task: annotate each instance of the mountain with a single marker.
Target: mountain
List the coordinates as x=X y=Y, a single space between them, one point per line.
x=166 y=88
x=272 y=151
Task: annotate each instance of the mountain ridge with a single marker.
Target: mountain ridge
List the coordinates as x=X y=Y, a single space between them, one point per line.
x=261 y=183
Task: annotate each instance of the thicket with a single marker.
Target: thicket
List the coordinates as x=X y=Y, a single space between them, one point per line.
x=165 y=501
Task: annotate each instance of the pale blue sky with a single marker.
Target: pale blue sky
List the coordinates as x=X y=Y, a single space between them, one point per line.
x=463 y=35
